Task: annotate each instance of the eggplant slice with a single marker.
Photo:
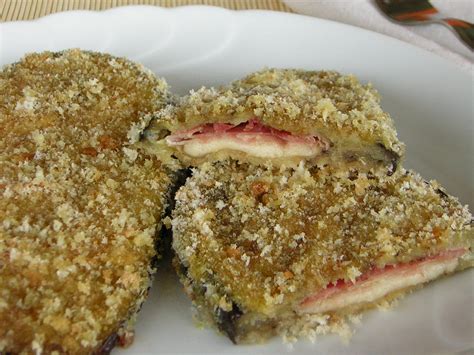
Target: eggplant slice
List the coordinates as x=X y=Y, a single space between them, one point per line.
x=279 y=115
x=80 y=207
x=264 y=251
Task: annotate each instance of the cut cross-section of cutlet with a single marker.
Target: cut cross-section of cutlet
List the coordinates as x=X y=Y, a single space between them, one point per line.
x=283 y=116
x=79 y=208
x=263 y=251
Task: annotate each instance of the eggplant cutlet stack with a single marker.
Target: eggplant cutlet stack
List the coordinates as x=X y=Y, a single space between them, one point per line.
x=297 y=252
x=283 y=115
x=79 y=208
x=299 y=215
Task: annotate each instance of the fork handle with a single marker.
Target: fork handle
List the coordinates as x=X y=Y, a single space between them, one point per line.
x=463 y=29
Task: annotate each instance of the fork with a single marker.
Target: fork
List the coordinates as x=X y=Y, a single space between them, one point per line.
x=419 y=12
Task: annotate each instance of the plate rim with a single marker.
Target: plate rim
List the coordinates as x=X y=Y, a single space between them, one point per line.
x=187 y=8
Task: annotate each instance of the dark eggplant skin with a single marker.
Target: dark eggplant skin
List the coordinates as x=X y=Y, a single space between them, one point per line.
x=441 y=193
x=392 y=157
x=164 y=238
x=393 y=167
x=227 y=321
x=108 y=344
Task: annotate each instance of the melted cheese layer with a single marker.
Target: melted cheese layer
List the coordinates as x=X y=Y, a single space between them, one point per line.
x=380 y=285
x=257 y=147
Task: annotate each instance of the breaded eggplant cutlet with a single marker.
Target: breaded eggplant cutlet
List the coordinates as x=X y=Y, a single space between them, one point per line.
x=283 y=115
x=297 y=252
x=79 y=208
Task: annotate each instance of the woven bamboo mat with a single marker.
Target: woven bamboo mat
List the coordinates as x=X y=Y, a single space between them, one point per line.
x=15 y=10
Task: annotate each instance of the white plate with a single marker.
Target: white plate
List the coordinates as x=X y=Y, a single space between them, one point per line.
x=430 y=100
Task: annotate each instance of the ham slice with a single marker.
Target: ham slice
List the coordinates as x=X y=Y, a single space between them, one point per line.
x=377 y=283
x=251 y=137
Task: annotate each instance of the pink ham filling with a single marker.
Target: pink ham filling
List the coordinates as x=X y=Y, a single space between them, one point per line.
x=245 y=132
x=364 y=283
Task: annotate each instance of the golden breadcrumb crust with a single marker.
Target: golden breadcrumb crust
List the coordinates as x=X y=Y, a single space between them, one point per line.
x=302 y=102
x=265 y=239
x=79 y=209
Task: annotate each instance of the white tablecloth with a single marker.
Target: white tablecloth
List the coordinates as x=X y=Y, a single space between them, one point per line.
x=363 y=13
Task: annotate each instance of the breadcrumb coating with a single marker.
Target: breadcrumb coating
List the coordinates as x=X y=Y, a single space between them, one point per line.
x=264 y=239
x=79 y=207
x=335 y=106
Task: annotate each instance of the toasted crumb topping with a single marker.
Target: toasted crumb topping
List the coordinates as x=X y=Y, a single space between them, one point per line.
x=298 y=101
x=266 y=238
x=79 y=208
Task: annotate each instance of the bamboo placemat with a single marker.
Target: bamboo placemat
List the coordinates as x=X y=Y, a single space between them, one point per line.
x=15 y=10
